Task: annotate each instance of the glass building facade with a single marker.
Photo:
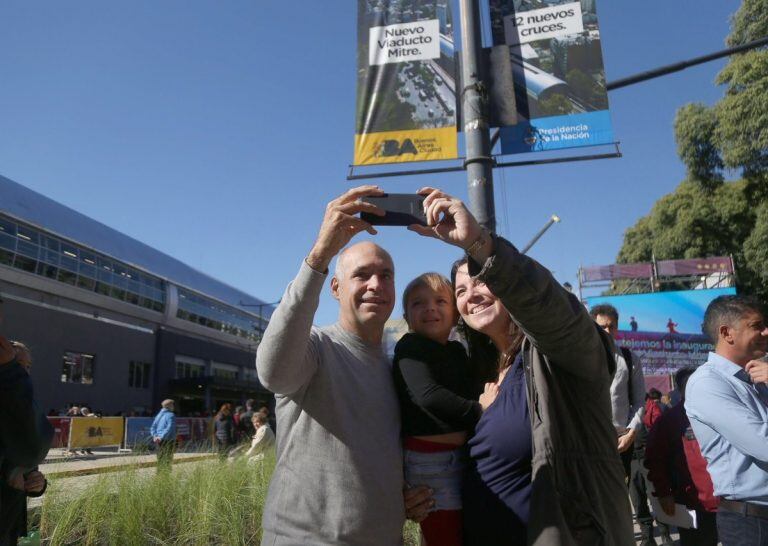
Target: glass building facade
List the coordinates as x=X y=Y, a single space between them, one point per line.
x=29 y=249
x=34 y=251
x=212 y=314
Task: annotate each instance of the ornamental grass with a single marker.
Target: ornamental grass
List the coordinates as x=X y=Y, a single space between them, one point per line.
x=196 y=504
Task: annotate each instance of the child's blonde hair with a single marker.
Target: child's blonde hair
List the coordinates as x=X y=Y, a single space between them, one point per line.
x=435 y=281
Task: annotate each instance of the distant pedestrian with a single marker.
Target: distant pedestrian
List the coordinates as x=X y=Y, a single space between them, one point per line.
x=678 y=471
x=246 y=420
x=263 y=439
x=627 y=403
x=86 y=412
x=653 y=408
x=224 y=430
x=672 y=326
x=163 y=431
x=264 y=409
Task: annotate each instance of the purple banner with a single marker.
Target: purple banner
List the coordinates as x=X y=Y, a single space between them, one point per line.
x=616 y=271
x=665 y=353
x=698 y=266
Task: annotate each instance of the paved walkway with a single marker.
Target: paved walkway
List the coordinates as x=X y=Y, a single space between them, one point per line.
x=100 y=462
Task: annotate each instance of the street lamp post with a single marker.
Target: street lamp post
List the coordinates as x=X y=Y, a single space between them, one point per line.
x=554 y=219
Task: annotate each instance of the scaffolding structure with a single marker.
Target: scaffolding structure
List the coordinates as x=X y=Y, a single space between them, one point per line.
x=660 y=275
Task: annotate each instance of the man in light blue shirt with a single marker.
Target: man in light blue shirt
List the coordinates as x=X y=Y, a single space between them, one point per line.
x=163 y=431
x=727 y=404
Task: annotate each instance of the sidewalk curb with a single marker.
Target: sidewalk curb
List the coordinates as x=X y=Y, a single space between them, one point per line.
x=117 y=468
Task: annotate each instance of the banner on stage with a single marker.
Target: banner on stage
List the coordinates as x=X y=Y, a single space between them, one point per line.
x=664 y=328
x=406 y=82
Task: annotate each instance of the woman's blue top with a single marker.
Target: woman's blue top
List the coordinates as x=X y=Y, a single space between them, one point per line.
x=497 y=488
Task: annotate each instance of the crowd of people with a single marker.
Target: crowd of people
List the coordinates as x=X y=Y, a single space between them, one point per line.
x=536 y=429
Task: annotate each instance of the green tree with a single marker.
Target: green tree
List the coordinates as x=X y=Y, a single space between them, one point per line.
x=707 y=215
x=732 y=134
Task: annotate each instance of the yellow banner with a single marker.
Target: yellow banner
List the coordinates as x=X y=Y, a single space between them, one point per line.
x=402 y=146
x=95 y=431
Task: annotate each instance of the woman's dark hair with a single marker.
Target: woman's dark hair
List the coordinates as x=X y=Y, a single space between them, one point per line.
x=654 y=394
x=224 y=407
x=485 y=358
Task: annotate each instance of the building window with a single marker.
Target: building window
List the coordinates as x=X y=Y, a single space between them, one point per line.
x=186 y=370
x=224 y=374
x=34 y=251
x=138 y=375
x=77 y=368
x=217 y=316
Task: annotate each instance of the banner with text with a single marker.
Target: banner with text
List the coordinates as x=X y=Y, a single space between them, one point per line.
x=95 y=431
x=406 y=82
x=664 y=328
x=137 y=431
x=559 y=79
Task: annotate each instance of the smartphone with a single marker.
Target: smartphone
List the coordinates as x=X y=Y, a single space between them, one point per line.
x=402 y=209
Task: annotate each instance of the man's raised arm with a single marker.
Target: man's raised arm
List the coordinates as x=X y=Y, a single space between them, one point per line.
x=285 y=360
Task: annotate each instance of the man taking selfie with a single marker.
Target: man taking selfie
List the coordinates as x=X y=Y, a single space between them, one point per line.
x=339 y=476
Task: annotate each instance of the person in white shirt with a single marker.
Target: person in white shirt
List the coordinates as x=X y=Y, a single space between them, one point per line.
x=263 y=440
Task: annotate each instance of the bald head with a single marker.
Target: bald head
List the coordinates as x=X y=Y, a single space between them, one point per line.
x=353 y=250
x=364 y=285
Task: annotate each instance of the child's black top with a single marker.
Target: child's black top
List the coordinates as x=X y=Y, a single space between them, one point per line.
x=434 y=385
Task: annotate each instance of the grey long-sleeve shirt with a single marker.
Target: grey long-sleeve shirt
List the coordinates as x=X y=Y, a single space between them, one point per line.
x=338 y=479
x=627 y=413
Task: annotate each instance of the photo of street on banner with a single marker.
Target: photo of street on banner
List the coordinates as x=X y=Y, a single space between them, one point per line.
x=406 y=82
x=557 y=67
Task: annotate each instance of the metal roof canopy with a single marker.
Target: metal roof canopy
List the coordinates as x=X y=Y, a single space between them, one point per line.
x=29 y=206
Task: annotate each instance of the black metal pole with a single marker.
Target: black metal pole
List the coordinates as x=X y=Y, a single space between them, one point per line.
x=478 y=162
x=677 y=67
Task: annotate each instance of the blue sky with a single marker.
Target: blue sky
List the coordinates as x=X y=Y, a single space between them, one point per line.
x=218 y=131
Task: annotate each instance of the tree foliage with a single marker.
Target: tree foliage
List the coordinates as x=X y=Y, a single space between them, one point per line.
x=732 y=134
x=705 y=215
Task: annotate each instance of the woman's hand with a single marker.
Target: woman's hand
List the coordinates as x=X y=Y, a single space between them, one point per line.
x=489 y=395
x=449 y=220
x=418 y=501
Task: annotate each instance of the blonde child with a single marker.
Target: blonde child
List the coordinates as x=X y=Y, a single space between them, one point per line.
x=438 y=408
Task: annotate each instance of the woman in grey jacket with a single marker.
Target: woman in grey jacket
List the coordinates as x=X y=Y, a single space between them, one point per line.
x=545 y=466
